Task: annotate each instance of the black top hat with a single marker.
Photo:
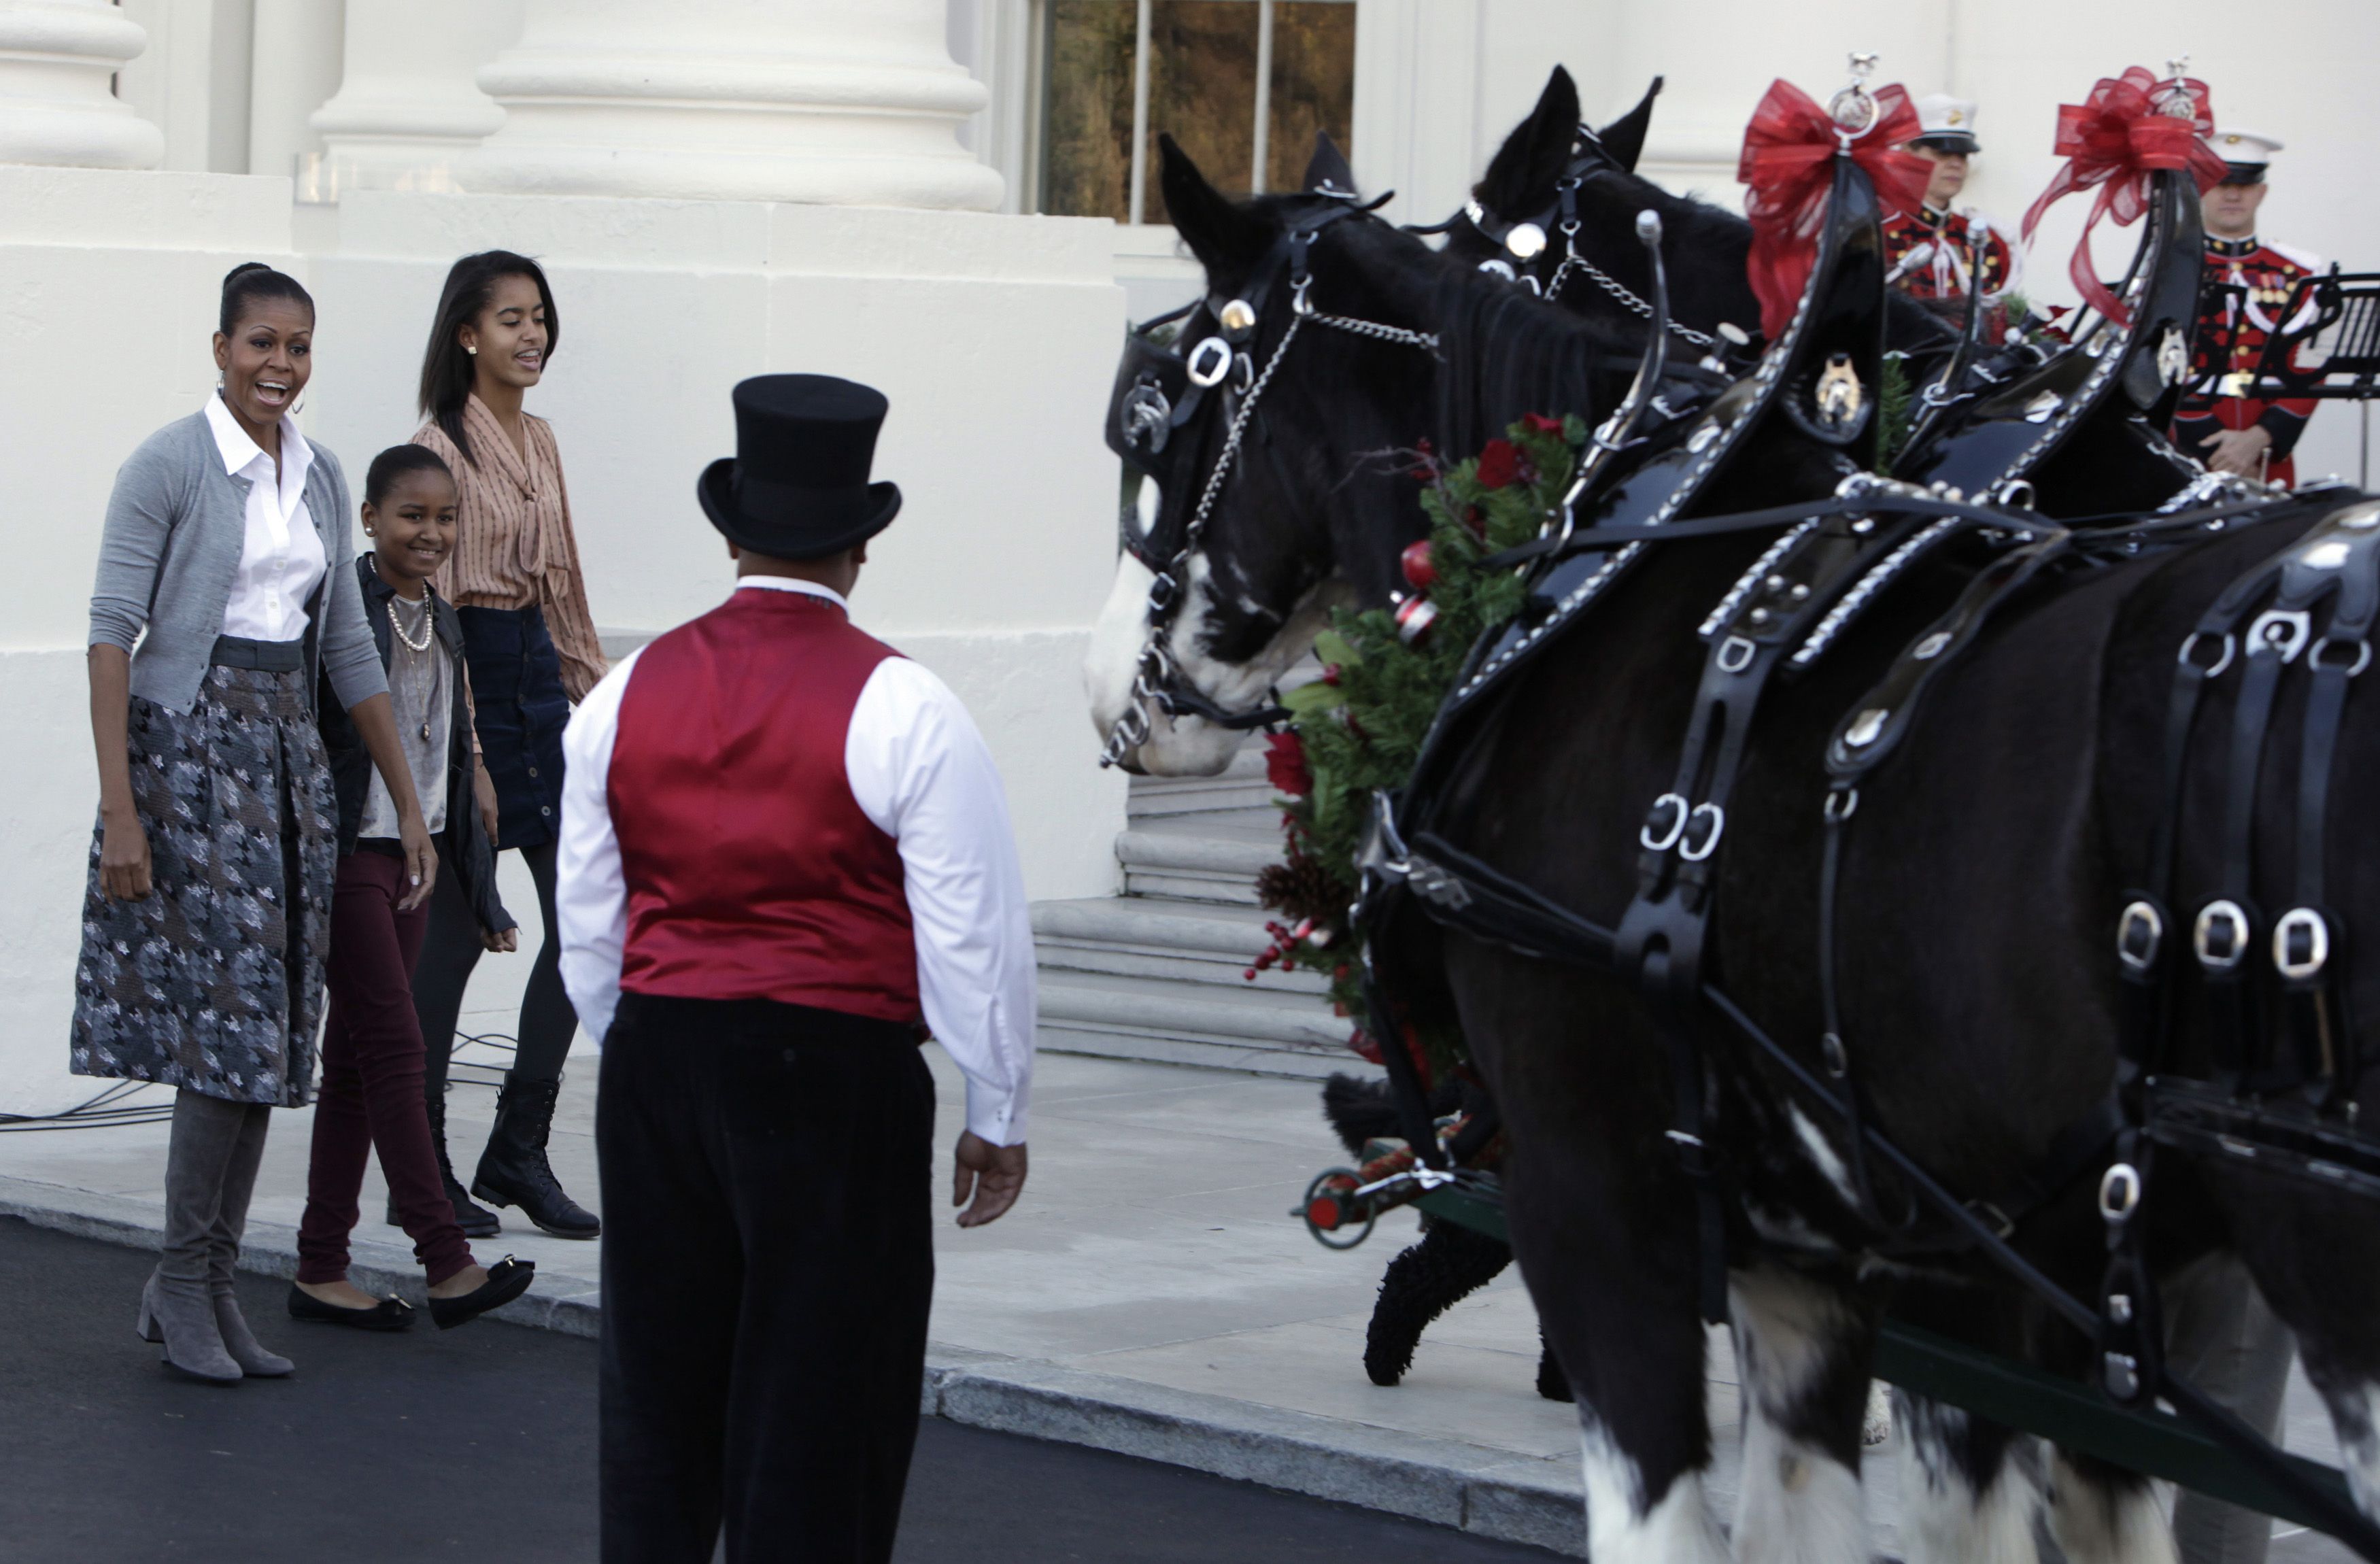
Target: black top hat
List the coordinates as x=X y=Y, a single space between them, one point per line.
x=797 y=486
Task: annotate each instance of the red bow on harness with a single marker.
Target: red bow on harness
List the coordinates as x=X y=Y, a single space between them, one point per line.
x=1788 y=154
x=2115 y=142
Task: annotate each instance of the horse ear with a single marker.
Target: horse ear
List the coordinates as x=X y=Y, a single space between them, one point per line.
x=1226 y=241
x=1327 y=169
x=1521 y=175
x=1624 y=138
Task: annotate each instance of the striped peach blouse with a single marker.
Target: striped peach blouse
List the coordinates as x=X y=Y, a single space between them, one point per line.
x=513 y=543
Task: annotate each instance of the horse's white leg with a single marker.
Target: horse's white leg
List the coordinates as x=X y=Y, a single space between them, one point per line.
x=1969 y=1494
x=2102 y=1521
x=1624 y=1528
x=1801 y=1349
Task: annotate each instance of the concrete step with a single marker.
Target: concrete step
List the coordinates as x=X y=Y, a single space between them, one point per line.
x=1213 y=855
x=1191 y=1022
x=1165 y=939
x=1240 y=786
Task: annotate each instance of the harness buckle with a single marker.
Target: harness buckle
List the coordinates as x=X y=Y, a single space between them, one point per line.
x=1162 y=590
x=1212 y=360
x=2206 y=671
x=2220 y=936
x=2318 y=657
x=2120 y=1194
x=1695 y=851
x=2301 y=944
x=2121 y=1374
x=1656 y=837
x=2280 y=630
x=2140 y=930
x=1735 y=654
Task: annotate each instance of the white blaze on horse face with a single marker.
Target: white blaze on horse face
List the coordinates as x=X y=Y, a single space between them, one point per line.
x=1619 y=1530
x=1116 y=640
x=2098 y=1522
x=1798 y=1505
x=1831 y=1165
x=1944 y=1520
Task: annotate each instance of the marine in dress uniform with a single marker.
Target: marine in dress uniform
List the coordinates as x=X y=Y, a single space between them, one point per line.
x=1929 y=253
x=785 y=857
x=2248 y=282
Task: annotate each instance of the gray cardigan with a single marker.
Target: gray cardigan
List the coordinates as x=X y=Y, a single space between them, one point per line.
x=176 y=524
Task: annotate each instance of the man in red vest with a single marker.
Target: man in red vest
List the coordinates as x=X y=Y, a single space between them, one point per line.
x=786 y=859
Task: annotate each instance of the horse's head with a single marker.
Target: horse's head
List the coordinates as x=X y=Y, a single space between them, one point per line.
x=1557 y=213
x=1267 y=432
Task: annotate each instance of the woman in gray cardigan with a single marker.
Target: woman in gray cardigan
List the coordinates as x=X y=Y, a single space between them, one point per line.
x=225 y=584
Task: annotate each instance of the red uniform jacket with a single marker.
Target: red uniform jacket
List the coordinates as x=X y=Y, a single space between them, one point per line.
x=2248 y=284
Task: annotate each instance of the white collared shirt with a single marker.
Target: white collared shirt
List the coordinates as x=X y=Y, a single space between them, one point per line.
x=281 y=561
x=921 y=772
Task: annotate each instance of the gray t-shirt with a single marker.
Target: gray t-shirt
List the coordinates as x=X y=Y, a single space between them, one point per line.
x=423 y=696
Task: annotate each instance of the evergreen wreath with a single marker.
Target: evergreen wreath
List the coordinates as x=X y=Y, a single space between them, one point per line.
x=1385 y=672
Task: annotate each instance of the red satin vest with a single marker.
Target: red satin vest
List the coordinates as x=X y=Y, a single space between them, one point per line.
x=752 y=871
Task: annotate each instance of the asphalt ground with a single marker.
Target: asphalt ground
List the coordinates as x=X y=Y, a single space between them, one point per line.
x=479 y=1443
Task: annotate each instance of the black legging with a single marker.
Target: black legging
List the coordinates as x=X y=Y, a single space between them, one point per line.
x=452 y=949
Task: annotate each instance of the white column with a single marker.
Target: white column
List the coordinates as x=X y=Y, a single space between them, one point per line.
x=55 y=104
x=408 y=109
x=294 y=71
x=836 y=102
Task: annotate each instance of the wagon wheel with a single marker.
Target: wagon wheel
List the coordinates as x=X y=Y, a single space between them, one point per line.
x=1327 y=1210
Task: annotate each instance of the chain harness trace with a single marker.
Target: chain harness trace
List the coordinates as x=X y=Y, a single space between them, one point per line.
x=1158 y=679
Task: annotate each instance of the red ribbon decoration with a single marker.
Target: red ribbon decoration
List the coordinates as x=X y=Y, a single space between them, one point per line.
x=1789 y=156
x=2116 y=142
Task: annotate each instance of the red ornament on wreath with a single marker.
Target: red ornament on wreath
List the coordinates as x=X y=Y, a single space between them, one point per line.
x=1285 y=765
x=1499 y=464
x=1415 y=616
x=1421 y=572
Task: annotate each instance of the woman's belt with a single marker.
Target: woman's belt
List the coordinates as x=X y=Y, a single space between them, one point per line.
x=269 y=657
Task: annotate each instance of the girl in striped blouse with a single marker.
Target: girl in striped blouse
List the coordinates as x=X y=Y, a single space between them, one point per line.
x=532 y=650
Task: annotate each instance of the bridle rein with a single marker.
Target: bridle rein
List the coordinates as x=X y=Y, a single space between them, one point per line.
x=1144 y=417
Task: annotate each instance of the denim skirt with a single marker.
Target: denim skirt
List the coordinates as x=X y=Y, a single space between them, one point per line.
x=213 y=981
x=516 y=692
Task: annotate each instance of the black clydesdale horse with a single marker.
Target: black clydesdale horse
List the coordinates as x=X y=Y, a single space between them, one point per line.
x=1977 y=988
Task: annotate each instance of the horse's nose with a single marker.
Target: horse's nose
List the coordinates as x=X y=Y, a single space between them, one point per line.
x=1131 y=768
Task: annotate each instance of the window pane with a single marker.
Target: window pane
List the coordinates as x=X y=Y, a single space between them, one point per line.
x=1313 y=86
x=1202 y=91
x=1086 y=128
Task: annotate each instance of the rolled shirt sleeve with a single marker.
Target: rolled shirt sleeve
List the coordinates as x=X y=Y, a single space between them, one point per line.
x=920 y=771
x=591 y=895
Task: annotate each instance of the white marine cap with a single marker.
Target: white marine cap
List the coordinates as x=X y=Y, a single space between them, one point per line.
x=2245 y=151
x=1947 y=122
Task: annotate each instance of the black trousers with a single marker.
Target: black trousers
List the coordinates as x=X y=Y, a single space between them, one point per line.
x=451 y=954
x=768 y=1266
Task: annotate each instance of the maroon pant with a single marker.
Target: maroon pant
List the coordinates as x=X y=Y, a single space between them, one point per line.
x=371 y=1080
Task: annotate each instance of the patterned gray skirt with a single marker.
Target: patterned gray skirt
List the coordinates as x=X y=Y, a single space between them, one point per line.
x=213 y=981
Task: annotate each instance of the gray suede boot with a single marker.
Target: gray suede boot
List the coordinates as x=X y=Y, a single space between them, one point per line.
x=223 y=1250
x=176 y=1307
x=181 y=1316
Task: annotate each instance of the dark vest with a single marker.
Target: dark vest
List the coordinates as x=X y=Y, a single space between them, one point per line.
x=751 y=872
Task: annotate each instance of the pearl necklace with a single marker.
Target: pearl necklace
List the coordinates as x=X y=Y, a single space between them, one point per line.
x=427 y=624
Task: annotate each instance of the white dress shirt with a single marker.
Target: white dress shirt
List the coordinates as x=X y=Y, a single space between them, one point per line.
x=281 y=561
x=919 y=771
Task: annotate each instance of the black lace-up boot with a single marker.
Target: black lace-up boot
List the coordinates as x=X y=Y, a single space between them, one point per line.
x=477 y=1221
x=514 y=1171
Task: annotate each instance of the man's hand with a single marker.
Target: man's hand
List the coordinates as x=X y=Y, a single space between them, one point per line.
x=504 y=941
x=993 y=1174
x=2239 y=451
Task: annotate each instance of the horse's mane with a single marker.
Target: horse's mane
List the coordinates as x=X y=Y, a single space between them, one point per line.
x=1502 y=354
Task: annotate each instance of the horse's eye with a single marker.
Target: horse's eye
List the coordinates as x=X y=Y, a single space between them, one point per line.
x=1145 y=507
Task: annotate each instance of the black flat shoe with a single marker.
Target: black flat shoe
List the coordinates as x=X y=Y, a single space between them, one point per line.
x=507 y=1279
x=389 y=1313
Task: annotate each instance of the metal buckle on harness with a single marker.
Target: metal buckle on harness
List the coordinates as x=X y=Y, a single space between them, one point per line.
x=2139 y=931
x=2206 y=671
x=1696 y=852
x=1658 y=838
x=2282 y=630
x=1160 y=592
x=2301 y=944
x=2120 y=1192
x=1210 y=362
x=2220 y=936
x=1735 y=654
x=2318 y=657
